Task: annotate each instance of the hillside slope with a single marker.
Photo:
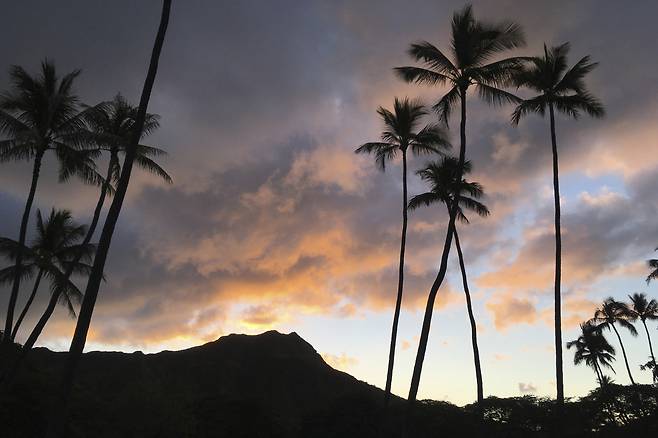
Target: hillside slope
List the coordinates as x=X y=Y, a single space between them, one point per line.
x=270 y=384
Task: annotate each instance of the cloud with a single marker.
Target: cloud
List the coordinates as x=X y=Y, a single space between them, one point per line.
x=272 y=216
x=341 y=362
x=511 y=311
x=527 y=388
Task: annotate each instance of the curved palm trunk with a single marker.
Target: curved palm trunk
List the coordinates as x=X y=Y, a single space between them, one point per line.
x=398 y=301
x=623 y=351
x=19 y=255
x=429 y=308
x=27 y=305
x=54 y=297
x=474 y=335
x=559 y=373
x=599 y=374
x=59 y=418
x=649 y=340
x=52 y=303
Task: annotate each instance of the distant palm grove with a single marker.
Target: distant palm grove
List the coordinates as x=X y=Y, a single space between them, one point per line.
x=45 y=123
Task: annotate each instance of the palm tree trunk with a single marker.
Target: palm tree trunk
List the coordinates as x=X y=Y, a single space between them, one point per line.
x=649 y=340
x=58 y=421
x=41 y=324
x=474 y=335
x=429 y=308
x=19 y=255
x=27 y=305
x=7 y=377
x=559 y=373
x=398 y=300
x=623 y=351
x=599 y=374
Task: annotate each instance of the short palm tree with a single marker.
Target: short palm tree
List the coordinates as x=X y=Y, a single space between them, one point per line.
x=53 y=251
x=653 y=265
x=442 y=178
x=612 y=312
x=562 y=90
x=474 y=43
x=644 y=309
x=38 y=115
x=402 y=134
x=593 y=349
x=109 y=127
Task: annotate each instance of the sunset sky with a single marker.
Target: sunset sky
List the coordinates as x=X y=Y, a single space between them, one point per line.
x=274 y=223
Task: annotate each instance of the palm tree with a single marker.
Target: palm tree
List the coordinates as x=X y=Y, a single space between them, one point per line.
x=562 y=90
x=56 y=428
x=593 y=349
x=653 y=265
x=644 y=309
x=402 y=134
x=473 y=45
x=38 y=115
x=442 y=178
x=109 y=126
x=52 y=252
x=609 y=313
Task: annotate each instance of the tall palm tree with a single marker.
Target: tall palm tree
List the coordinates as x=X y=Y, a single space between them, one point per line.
x=109 y=127
x=442 y=178
x=53 y=251
x=56 y=427
x=609 y=313
x=402 y=134
x=653 y=265
x=38 y=115
x=474 y=43
x=644 y=309
x=593 y=349
x=562 y=90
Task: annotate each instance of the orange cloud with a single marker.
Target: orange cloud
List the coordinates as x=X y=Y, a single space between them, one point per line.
x=341 y=362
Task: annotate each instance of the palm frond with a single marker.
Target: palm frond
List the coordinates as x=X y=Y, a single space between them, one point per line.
x=151 y=166
x=535 y=105
x=445 y=105
x=424 y=200
x=496 y=96
x=432 y=57
x=572 y=105
x=420 y=75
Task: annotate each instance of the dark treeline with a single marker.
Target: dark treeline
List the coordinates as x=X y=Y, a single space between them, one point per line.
x=42 y=121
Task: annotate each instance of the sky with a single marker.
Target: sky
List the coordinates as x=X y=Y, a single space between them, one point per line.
x=274 y=223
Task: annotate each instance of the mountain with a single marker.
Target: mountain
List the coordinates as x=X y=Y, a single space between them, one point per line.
x=270 y=384
x=275 y=385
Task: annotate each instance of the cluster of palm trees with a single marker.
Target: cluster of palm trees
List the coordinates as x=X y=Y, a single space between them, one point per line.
x=594 y=350
x=474 y=61
x=41 y=114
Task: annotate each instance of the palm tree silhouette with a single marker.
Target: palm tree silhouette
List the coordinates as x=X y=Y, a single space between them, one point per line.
x=473 y=45
x=108 y=126
x=644 y=309
x=38 y=115
x=53 y=251
x=562 y=90
x=609 y=313
x=402 y=134
x=653 y=265
x=593 y=349
x=58 y=420
x=442 y=178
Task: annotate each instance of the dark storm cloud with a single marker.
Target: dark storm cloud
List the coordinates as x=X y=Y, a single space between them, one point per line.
x=262 y=104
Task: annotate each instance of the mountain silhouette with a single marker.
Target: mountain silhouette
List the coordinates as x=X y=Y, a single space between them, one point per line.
x=276 y=385
x=270 y=384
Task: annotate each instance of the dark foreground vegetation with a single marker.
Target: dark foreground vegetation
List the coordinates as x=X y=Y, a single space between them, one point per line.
x=275 y=385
